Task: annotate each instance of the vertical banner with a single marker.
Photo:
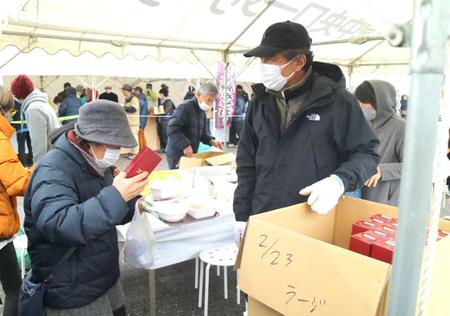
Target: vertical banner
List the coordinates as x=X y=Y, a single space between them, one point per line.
x=226 y=98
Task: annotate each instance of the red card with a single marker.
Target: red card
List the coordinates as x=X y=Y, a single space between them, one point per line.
x=383 y=219
x=145 y=160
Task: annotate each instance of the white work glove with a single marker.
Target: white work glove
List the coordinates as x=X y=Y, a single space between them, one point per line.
x=325 y=194
x=239 y=228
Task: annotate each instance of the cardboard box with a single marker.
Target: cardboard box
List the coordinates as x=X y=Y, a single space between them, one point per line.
x=293 y=261
x=209 y=158
x=383 y=250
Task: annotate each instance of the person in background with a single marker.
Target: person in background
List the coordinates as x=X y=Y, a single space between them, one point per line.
x=70 y=105
x=187 y=127
x=37 y=112
x=57 y=100
x=62 y=93
x=238 y=116
x=190 y=93
x=132 y=107
x=403 y=105
x=81 y=94
x=13 y=182
x=303 y=131
x=73 y=203
x=88 y=95
x=167 y=106
x=143 y=110
x=152 y=96
x=108 y=94
x=376 y=99
x=22 y=136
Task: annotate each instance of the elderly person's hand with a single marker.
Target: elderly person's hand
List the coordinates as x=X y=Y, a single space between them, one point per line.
x=131 y=187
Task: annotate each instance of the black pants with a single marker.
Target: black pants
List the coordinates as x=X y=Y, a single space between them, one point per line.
x=11 y=279
x=162 y=133
x=23 y=138
x=235 y=130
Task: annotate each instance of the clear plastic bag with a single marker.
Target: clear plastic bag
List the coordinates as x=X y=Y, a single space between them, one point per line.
x=138 y=249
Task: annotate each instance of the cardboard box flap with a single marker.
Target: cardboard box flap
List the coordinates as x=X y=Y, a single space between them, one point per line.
x=222 y=159
x=305 y=274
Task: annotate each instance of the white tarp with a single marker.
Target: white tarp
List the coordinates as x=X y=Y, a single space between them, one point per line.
x=153 y=28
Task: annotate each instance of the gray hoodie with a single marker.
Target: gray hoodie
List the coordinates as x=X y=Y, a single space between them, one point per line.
x=41 y=120
x=390 y=130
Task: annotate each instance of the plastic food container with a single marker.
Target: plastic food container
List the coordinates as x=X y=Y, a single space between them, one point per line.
x=200 y=207
x=170 y=212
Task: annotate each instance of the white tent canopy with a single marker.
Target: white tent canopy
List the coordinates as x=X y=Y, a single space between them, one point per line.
x=191 y=30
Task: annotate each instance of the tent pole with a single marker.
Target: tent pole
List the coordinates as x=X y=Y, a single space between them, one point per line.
x=93 y=88
x=203 y=64
x=269 y=3
x=428 y=57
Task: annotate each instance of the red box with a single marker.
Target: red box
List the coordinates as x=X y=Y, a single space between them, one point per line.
x=389 y=229
x=363 y=226
x=145 y=160
x=442 y=233
x=362 y=243
x=381 y=234
x=383 y=250
x=383 y=219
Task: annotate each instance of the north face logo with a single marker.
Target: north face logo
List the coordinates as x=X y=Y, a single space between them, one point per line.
x=313 y=117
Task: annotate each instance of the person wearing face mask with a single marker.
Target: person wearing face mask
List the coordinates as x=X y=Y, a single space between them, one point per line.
x=187 y=128
x=303 y=131
x=108 y=94
x=166 y=108
x=377 y=100
x=74 y=200
x=13 y=182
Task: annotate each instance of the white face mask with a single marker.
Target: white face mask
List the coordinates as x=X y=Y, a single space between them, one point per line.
x=204 y=106
x=369 y=113
x=109 y=158
x=272 y=77
x=108 y=90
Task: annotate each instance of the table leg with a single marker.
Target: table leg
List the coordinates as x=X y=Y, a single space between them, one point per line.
x=238 y=291
x=152 y=291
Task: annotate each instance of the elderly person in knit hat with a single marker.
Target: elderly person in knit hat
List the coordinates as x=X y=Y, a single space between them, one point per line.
x=72 y=206
x=39 y=115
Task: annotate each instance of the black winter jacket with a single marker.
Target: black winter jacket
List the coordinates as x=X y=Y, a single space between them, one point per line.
x=328 y=135
x=70 y=106
x=67 y=206
x=186 y=127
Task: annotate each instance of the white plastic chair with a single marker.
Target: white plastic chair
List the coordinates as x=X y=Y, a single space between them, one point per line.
x=221 y=256
x=21 y=243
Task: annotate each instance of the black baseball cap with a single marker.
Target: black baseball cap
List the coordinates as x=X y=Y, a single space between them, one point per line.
x=279 y=37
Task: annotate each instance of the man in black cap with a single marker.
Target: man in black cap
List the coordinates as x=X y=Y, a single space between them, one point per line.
x=303 y=131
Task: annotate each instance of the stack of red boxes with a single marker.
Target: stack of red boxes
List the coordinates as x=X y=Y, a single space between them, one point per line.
x=375 y=237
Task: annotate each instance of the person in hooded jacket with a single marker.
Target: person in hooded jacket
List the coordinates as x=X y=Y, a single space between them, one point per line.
x=13 y=182
x=70 y=105
x=303 y=131
x=377 y=99
x=37 y=112
x=74 y=201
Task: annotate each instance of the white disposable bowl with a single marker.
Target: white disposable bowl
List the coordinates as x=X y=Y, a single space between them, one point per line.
x=171 y=212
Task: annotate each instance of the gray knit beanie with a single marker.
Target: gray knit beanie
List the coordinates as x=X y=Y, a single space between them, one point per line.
x=105 y=122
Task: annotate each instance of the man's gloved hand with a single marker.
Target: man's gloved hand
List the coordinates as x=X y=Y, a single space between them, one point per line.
x=324 y=194
x=239 y=228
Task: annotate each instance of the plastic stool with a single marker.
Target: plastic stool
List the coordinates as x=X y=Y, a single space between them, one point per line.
x=221 y=256
x=21 y=242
